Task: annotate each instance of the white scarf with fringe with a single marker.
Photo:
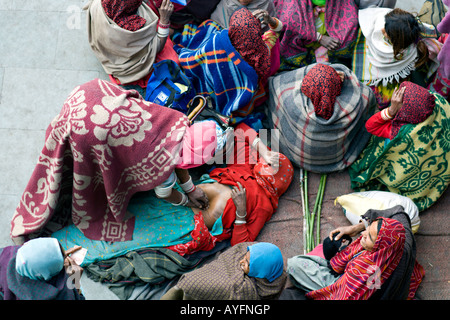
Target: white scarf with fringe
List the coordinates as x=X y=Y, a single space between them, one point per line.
x=380 y=64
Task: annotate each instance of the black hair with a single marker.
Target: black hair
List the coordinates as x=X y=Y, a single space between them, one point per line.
x=403 y=29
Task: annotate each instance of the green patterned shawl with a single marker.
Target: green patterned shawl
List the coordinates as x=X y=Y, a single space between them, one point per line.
x=414 y=164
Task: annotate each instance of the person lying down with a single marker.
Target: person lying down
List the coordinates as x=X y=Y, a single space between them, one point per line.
x=248 y=271
x=242 y=198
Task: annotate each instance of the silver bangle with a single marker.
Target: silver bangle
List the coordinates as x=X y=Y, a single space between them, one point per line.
x=242 y=217
x=240 y=222
x=184 y=200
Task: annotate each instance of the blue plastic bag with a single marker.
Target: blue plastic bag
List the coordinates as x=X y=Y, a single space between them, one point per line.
x=180 y=2
x=169 y=86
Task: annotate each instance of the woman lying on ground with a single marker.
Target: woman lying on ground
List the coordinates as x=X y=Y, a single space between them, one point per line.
x=229 y=65
x=128 y=37
x=320 y=112
x=242 y=197
x=316 y=31
x=380 y=264
x=409 y=151
x=394 y=46
x=38 y=270
x=247 y=271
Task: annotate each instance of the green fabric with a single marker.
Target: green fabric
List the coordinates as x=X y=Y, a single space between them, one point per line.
x=414 y=164
x=152 y=266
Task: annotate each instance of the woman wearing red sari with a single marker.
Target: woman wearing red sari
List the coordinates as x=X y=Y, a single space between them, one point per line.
x=380 y=264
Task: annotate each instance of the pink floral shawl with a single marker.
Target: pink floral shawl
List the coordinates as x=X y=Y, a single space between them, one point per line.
x=106 y=144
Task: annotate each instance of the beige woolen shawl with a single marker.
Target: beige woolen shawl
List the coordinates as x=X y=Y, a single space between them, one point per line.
x=127 y=55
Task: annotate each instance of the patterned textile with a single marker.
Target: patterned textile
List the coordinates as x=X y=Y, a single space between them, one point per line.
x=322 y=85
x=104 y=146
x=158 y=224
x=13 y=286
x=312 y=142
x=111 y=43
x=246 y=37
x=414 y=164
x=223 y=279
x=123 y=13
x=440 y=85
x=418 y=104
x=444 y=55
x=300 y=30
x=215 y=67
x=365 y=271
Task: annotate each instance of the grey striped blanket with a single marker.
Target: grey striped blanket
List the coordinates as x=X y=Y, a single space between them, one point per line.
x=311 y=142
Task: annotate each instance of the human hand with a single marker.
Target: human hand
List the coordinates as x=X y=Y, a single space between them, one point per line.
x=329 y=42
x=341 y=75
x=396 y=101
x=239 y=197
x=272 y=158
x=263 y=16
x=352 y=231
x=165 y=11
x=198 y=198
x=70 y=265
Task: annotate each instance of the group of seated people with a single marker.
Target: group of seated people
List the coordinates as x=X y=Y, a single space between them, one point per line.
x=115 y=175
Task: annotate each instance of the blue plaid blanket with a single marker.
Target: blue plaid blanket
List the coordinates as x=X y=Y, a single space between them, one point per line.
x=215 y=67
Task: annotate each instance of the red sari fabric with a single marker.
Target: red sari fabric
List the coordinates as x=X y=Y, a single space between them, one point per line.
x=261 y=202
x=364 y=271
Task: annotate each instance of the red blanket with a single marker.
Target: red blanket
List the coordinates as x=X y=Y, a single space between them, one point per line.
x=104 y=146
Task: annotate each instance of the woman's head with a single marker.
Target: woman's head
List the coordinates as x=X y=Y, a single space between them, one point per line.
x=322 y=85
x=369 y=236
x=402 y=29
x=382 y=233
x=40 y=259
x=246 y=37
x=263 y=260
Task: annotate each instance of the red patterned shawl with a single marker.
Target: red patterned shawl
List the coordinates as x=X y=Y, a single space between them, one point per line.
x=418 y=105
x=246 y=37
x=104 y=146
x=124 y=13
x=364 y=271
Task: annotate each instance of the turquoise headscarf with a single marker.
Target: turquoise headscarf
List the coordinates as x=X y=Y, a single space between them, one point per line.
x=266 y=261
x=39 y=259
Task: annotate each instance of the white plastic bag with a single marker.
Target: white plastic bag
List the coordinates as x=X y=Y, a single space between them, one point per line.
x=356 y=204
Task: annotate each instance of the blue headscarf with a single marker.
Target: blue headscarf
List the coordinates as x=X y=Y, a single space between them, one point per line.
x=39 y=259
x=266 y=261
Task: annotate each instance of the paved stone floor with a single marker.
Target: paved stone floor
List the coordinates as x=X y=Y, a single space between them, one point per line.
x=44 y=55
